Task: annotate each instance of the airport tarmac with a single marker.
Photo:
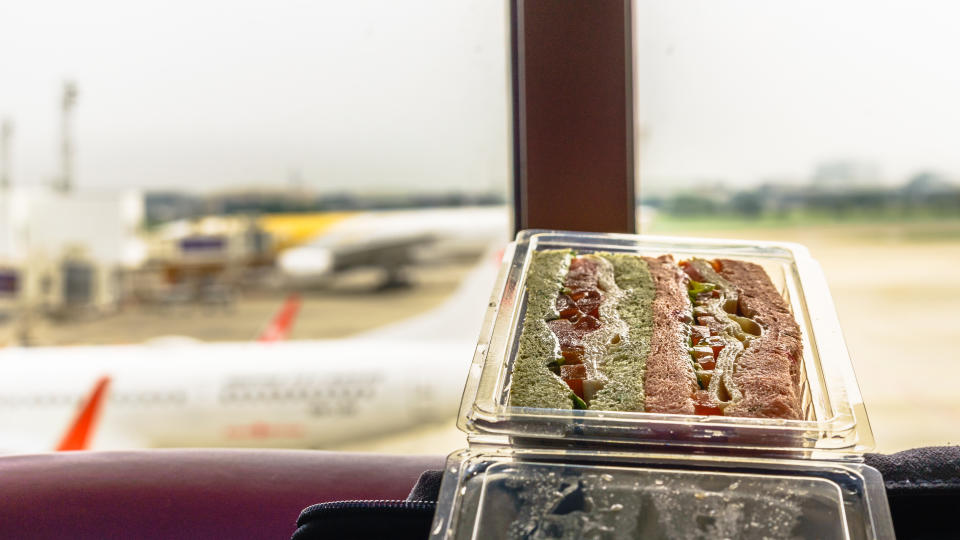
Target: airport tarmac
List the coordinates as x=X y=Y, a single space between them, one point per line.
x=892 y=283
x=350 y=305
x=897 y=301
x=896 y=296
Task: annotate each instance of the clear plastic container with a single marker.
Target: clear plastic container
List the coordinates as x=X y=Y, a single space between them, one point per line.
x=502 y=493
x=564 y=473
x=835 y=421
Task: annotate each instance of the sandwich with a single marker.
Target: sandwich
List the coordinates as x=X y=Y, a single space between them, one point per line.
x=622 y=332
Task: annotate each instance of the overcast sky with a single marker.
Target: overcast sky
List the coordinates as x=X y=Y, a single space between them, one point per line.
x=412 y=93
x=349 y=94
x=743 y=90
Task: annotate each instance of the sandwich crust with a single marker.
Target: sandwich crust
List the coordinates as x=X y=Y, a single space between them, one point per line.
x=768 y=371
x=670 y=381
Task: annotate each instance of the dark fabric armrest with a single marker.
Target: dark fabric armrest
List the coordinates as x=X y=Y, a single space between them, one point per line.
x=923 y=489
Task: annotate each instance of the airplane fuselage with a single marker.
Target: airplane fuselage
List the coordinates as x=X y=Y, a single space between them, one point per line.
x=304 y=394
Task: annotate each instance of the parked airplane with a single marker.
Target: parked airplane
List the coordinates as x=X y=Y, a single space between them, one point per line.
x=303 y=394
x=199 y=255
x=389 y=240
x=294 y=394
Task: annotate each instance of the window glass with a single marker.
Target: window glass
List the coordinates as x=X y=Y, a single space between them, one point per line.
x=181 y=180
x=833 y=125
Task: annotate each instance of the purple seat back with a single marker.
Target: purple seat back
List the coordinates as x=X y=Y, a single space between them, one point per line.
x=188 y=493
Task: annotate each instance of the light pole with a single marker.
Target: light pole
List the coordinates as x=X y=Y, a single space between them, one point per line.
x=66 y=136
x=6 y=133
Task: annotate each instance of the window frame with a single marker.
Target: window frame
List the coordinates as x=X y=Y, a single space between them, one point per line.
x=572 y=109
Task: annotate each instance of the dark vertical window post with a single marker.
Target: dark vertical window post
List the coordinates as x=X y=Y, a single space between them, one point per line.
x=572 y=86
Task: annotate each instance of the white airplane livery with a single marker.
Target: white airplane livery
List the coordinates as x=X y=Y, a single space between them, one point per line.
x=272 y=393
x=302 y=394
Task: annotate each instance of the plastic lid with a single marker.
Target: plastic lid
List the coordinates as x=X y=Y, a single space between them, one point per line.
x=497 y=495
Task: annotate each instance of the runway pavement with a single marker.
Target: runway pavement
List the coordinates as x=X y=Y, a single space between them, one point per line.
x=351 y=304
x=895 y=287
x=897 y=293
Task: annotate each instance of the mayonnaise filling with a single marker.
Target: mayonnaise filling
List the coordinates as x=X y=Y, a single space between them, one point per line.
x=734 y=331
x=612 y=328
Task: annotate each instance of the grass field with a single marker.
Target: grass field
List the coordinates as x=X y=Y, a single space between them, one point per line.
x=919 y=224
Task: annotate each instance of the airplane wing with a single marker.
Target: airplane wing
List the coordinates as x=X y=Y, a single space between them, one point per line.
x=379 y=252
x=314 y=264
x=393 y=240
x=459 y=318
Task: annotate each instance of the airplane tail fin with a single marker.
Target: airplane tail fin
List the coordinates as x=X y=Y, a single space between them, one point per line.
x=280 y=326
x=79 y=435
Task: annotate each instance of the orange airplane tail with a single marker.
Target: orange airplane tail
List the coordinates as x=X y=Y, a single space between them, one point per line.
x=80 y=434
x=280 y=326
